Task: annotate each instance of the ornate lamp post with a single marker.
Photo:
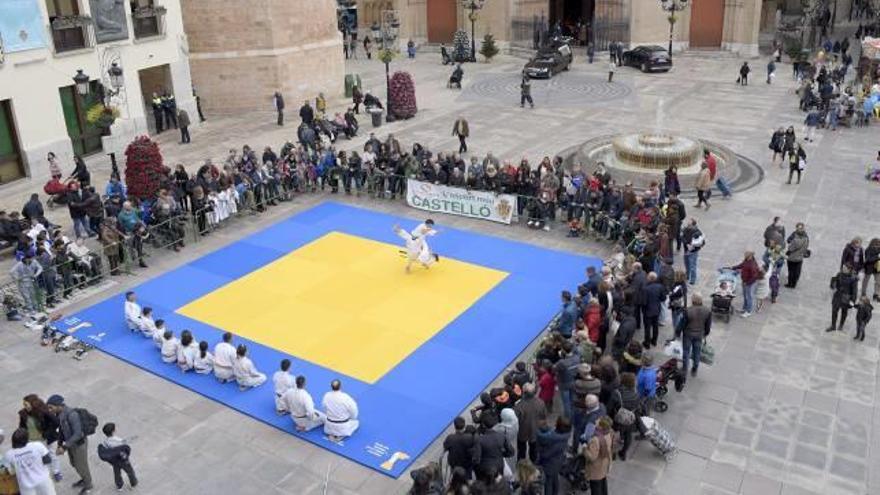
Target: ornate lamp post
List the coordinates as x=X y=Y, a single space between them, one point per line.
x=672 y=6
x=82 y=83
x=474 y=6
x=117 y=81
x=388 y=33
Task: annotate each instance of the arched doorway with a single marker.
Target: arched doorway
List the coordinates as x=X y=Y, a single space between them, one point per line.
x=442 y=20
x=707 y=23
x=572 y=17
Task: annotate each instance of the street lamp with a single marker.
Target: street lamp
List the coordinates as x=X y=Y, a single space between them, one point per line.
x=473 y=6
x=82 y=83
x=389 y=32
x=672 y=6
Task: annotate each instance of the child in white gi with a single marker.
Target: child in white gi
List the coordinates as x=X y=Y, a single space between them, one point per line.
x=283 y=381
x=224 y=359
x=170 y=344
x=204 y=361
x=159 y=333
x=132 y=311
x=245 y=372
x=186 y=351
x=146 y=325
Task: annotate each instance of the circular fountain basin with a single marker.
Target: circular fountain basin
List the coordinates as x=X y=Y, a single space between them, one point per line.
x=656 y=151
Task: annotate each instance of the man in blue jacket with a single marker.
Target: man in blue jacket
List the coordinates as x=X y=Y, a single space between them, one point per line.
x=565 y=325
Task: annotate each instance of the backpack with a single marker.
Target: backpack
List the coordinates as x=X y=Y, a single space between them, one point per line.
x=88 y=421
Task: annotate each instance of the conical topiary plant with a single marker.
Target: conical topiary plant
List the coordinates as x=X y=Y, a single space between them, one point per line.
x=144 y=170
x=488 y=49
x=461 y=46
x=403 y=96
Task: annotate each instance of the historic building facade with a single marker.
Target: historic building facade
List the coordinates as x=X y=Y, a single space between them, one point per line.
x=242 y=52
x=44 y=45
x=738 y=26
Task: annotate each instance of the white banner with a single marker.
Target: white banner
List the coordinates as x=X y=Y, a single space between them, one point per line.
x=458 y=201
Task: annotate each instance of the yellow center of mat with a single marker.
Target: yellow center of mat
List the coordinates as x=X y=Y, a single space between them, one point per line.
x=345 y=303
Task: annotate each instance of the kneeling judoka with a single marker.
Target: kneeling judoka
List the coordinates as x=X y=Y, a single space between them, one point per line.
x=301 y=406
x=341 y=411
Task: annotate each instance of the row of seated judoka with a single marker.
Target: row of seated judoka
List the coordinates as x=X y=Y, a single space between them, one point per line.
x=229 y=363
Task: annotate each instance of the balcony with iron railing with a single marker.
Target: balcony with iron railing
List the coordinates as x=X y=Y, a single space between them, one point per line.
x=148 y=21
x=71 y=32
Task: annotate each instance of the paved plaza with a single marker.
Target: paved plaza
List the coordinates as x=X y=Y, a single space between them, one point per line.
x=786 y=410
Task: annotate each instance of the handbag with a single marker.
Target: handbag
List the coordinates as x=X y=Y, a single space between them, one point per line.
x=623 y=416
x=809 y=253
x=707 y=354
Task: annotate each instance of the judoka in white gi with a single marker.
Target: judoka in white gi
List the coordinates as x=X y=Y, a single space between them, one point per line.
x=146 y=325
x=224 y=359
x=159 y=334
x=204 y=361
x=170 y=344
x=245 y=372
x=341 y=413
x=132 y=311
x=301 y=406
x=186 y=351
x=283 y=381
x=417 y=249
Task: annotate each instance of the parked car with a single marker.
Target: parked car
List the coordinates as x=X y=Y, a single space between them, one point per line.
x=648 y=58
x=548 y=62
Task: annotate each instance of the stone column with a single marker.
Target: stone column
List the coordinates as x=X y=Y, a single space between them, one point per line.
x=649 y=25
x=242 y=52
x=742 y=25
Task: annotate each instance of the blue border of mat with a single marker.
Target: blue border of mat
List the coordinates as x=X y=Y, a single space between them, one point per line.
x=414 y=402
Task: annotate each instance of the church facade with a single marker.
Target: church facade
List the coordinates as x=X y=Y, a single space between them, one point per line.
x=738 y=26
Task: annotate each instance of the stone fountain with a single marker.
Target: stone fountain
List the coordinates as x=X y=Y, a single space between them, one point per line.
x=643 y=157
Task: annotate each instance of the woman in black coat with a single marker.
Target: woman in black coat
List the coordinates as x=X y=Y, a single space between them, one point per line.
x=80 y=172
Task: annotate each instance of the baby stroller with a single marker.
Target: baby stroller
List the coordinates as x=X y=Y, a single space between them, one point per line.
x=456 y=77
x=57 y=192
x=574 y=471
x=670 y=371
x=724 y=294
x=659 y=437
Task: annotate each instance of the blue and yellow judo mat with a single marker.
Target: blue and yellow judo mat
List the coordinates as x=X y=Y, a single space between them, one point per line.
x=326 y=288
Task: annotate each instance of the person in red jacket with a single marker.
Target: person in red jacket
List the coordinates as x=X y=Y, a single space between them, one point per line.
x=748 y=272
x=547 y=384
x=593 y=320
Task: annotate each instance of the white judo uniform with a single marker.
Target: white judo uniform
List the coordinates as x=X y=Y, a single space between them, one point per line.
x=169 y=350
x=417 y=249
x=224 y=358
x=283 y=381
x=147 y=326
x=159 y=336
x=203 y=365
x=246 y=373
x=341 y=414
x=132 y=315
x=186 y=356
x=302 y=409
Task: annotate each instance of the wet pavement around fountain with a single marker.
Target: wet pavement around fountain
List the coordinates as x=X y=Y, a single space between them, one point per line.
x=786 y=410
